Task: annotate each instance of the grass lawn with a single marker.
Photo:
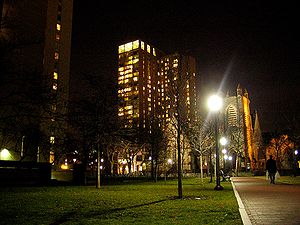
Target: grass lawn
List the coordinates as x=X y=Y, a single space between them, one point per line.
x=128 y=203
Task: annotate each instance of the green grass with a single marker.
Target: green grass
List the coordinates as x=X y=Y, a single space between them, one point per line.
x=130 y=203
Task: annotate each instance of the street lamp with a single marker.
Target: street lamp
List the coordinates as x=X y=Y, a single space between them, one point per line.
x=223 y=142
x=215 y=104
x=295 y=162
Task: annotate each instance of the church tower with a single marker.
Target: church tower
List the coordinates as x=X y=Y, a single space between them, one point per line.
x=238 y=127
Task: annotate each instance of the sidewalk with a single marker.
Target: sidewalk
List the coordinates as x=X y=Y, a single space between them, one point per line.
x=265 y=203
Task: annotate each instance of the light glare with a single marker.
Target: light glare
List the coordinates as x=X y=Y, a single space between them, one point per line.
x=214 y=103
x=223 y=141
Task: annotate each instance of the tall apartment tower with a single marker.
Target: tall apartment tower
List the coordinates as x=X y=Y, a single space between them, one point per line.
x=154 y=88
x=137 y=78
x=176 y=90
x=148 y=80
x=40 y=32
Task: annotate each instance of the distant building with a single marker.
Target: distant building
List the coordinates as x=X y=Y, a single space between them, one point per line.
x=239 y=129
x=38 y=34
x=153 y=86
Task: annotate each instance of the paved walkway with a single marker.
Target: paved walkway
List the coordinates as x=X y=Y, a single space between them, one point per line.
x=265 y=203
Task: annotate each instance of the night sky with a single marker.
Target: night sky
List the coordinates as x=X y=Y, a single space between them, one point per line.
x=254 y=44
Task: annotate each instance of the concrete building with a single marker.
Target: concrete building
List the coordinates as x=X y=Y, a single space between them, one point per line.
x=38 y=34
x=155 y=87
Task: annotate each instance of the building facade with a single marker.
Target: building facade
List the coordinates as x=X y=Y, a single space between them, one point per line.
x=153 y=86
x=38 y=34
x=238 y=128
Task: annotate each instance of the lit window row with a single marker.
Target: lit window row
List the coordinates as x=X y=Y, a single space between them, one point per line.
x=129 y=46
x=135 y=45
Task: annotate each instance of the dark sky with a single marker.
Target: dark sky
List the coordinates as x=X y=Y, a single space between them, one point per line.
x=254 y=44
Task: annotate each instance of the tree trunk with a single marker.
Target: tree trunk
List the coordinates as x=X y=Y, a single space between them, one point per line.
x=210 y=168
x=237 y=165
x=201 y=168
x=98 y=167
x=179 y=162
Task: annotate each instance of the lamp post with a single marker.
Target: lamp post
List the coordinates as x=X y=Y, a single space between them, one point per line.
x=223 y=142
x=295 y=162
x=214 y=104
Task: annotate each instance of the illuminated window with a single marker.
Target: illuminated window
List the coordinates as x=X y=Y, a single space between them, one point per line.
x=135 y=61
x=148 y=49
x=51 y=159
x=56 y=55
x=57 y=36
x=55 y=75
x=128 y=107
x=58 y=26
x=135 y=44
x=53 y=108
x=54 y=86
x=128 y=47
x=142 y=45
x=121 y=49
x=154 y=53
x=52 y=140
x=135 y=79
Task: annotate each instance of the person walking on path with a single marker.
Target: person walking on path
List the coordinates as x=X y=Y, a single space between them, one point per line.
x=271 y=168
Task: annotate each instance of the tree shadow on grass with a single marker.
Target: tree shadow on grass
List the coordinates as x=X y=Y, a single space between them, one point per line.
x=69 y=216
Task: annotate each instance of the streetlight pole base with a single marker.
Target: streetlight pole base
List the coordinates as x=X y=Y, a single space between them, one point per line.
x=218 y=188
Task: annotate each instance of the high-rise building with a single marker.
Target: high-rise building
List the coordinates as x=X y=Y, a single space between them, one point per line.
x=39 y=35
x=176 y=90
x=155 y=87
x=149 y=83
x=137 y=83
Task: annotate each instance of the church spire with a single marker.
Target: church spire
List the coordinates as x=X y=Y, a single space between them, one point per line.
x=246 y=93
x=239 y=90
x=257 y=138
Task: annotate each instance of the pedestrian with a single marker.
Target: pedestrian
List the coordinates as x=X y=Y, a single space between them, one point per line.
x=271 y=168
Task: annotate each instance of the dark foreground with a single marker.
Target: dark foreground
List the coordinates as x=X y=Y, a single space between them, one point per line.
x=128 y=203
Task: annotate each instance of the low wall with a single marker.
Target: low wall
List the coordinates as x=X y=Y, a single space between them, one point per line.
x=17 y=172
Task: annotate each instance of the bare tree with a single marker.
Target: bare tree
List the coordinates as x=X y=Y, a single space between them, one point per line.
x=200 y=135
x=280 y=146
x=92 y=116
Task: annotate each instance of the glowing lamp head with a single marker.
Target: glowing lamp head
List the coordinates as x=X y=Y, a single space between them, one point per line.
x=214 y=103
x=223 y=141
x=4 y=153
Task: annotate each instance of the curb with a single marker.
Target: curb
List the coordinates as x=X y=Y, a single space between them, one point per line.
x=243 y=213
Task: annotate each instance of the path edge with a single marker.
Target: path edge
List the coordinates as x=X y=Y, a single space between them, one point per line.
x=242 y=210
